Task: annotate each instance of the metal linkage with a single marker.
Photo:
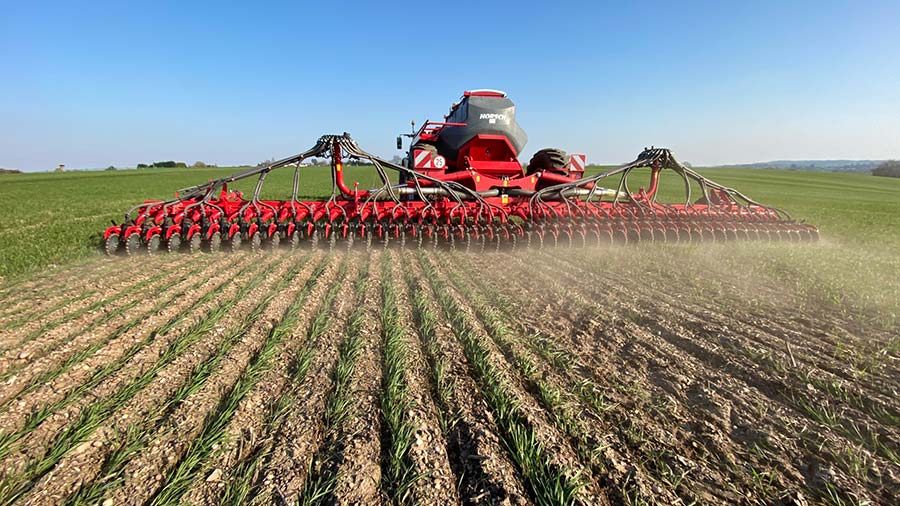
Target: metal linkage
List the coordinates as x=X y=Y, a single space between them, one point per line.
x=429 y=211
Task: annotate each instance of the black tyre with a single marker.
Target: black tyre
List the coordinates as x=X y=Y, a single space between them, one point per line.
x=549 y=159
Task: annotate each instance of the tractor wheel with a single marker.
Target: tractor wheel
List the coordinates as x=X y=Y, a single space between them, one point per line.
x=549 y=160
x=111 y=244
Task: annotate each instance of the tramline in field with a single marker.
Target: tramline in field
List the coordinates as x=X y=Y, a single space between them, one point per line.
x=461 y=184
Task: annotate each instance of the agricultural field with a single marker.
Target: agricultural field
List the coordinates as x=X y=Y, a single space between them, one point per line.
x=738 y=373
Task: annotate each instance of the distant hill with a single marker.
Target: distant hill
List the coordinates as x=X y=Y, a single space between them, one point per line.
x=858 y=166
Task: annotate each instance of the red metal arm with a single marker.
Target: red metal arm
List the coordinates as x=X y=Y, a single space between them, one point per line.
x=338 y=168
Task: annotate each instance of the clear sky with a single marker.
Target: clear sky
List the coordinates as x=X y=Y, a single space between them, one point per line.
x=91 y=84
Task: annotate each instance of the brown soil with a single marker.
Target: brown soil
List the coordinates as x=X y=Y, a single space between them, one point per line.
x=429 y=451
x=247 y=432
x=359 y=465
x=652 y=387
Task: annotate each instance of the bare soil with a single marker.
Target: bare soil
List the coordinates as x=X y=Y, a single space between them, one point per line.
x=665 y=381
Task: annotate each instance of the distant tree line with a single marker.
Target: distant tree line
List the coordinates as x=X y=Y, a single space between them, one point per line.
x=10 y=171
x=169 y=164
x=890 y=168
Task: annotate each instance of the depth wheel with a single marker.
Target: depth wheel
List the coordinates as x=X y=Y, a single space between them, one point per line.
x=215 y=243
x=195 y=243
x=235 y=242
x=132 y=244
x=274 y=242
x=174 y=243
x=154 y=244
x=111 y=244
x=255 y=242
x=350 y=240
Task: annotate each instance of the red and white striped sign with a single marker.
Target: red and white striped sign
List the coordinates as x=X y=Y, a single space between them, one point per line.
x=577 y=163
x=423 y=159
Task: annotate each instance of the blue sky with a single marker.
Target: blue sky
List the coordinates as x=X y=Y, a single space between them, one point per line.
x=91 y=84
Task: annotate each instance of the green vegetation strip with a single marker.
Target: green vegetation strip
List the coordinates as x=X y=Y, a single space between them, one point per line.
x=138 y=435
x=106 y=318
x=36 y=417
x=548 y=483
x=213 y=433
x=397 y=474
x=22 y=320
x=13 y=487
x=34 y=334
x=339 y=406
x=549 y=350
x=78 y=357
x=28 y=312
x=551 y=397
x=41 y=287
x=425 y=321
